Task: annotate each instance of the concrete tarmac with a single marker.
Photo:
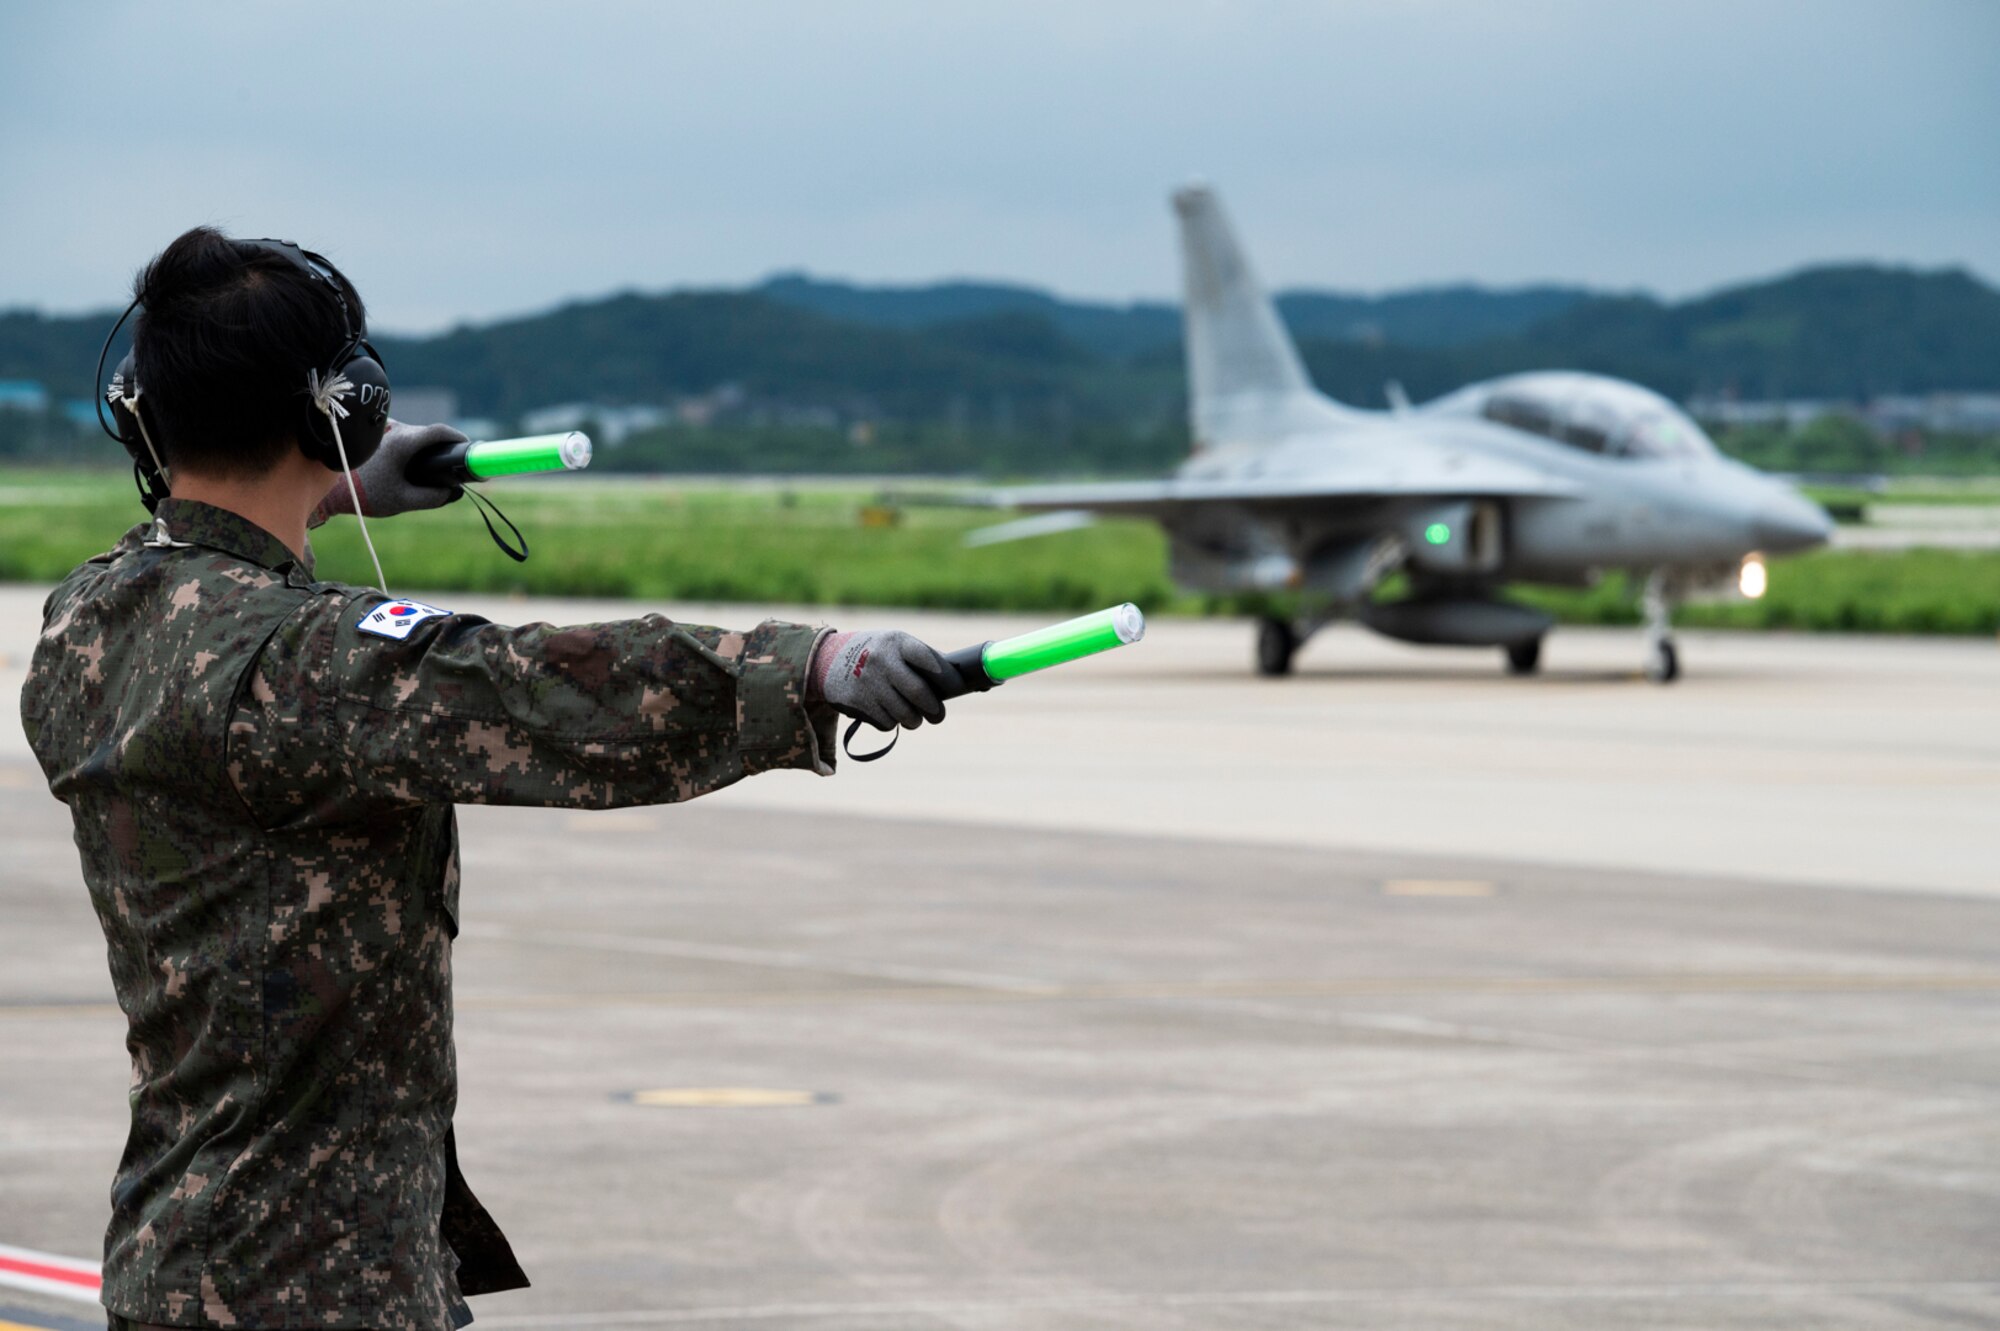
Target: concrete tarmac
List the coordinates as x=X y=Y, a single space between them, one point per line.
x=1147 y=994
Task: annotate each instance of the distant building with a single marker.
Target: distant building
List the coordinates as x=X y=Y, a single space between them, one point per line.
x=424 y=405
x=706 y=408
x=23 y=395
x=1937 y=413
x=1892 y=414
x=611 y=424
x=1788 y=412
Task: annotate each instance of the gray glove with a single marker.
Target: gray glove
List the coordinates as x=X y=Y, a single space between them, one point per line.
x=385 y=491
x=872 y=674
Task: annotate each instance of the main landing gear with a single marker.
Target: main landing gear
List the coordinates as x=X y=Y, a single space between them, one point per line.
x=1524 y=658
x=1663 y=663
x=1277 y=644
x=1279 y=640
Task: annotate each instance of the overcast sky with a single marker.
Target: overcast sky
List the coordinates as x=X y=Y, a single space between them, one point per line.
x=467 y=160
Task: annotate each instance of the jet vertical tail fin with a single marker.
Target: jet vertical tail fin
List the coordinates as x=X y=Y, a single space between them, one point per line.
x=1246 y=385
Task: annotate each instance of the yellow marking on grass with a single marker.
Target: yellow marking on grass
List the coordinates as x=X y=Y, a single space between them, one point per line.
x=724 y=1097
x=1437 y=887
x=21 y=1326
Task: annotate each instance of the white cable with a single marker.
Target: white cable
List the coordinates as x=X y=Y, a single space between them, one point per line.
x=327 y=397
x=130 y=401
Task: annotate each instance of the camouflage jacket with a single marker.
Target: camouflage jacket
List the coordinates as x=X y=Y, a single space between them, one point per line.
x=261 y=769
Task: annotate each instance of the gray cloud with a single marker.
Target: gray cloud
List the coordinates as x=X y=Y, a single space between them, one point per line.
x=465 y=160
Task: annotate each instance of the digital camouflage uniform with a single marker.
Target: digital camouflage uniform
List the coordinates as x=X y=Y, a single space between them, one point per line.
x=263 y=802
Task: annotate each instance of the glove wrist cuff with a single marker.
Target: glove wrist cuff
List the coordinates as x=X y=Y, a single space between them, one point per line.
x=824 y=654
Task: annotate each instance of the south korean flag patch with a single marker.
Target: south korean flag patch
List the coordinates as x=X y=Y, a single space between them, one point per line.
x=395 y=619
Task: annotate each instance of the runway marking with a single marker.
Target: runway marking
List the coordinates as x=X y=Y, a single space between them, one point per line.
x=1437 y=887
x=1788 y=1291
x=46 y=1273
x=727 y=1097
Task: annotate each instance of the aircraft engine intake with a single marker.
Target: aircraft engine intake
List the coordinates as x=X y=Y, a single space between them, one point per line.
x=1460 y=537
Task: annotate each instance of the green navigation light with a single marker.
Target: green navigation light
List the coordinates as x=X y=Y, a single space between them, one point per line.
x=1083 y=636
x=1437 y=533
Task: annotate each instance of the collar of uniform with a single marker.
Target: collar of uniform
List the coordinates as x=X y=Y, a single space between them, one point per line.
x=191 y=522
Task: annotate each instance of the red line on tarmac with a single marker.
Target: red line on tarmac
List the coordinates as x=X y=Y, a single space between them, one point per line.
x=44 y=1266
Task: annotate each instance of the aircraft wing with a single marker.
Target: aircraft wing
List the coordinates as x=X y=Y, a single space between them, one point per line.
x=1460 y=477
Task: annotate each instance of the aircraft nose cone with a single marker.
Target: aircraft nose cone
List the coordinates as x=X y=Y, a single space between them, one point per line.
x=1789 y=521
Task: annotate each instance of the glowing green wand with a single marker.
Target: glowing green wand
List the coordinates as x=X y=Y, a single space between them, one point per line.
x=459 y=464
x=991 y=664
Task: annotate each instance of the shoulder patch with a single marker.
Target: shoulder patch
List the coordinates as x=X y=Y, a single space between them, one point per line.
x=395 y=619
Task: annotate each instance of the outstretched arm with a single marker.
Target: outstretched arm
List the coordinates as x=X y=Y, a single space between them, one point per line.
x=455 y=709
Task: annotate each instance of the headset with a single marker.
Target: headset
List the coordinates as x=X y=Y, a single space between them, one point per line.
x=343 y=418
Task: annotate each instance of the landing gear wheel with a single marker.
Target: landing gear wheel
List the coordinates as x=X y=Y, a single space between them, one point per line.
x=1524 y=658
x=1276 y=644
x=1663 y=664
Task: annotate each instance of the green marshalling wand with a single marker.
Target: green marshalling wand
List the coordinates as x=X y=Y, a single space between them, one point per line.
x=461 y=464
x=990 y=664
x=470 y=460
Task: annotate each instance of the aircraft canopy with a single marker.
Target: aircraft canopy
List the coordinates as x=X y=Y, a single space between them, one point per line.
x=1587 y=412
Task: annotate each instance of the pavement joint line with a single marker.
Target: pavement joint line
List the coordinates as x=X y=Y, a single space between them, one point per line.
x=1366 y=986
x=1503 y=1037
x=963 y=991
x=1716 y=1291
x=753 y=956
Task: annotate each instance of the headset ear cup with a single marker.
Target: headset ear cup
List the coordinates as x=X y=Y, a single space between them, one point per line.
x=124 y=383
x=361 y=429
x=367 y=418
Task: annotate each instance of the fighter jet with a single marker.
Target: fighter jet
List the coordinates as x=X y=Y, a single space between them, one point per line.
x=1547 y=477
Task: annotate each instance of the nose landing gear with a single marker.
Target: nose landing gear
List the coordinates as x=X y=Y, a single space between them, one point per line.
x=1663 y=664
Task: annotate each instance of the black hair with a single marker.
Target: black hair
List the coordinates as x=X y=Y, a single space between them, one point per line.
x=225 y=338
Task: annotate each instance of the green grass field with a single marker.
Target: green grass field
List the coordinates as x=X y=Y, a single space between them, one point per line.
x=670 y=540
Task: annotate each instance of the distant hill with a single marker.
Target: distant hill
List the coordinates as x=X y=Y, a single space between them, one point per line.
x=987 y=356
x=1427 y=317
x=636 y=348
x=1114 y=331
x=59 y=352
x=1849 y=331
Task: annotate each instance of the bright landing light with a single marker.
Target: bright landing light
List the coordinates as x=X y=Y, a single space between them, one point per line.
x=1752 y=579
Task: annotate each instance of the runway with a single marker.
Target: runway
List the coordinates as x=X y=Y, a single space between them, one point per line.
x=1147 y=994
